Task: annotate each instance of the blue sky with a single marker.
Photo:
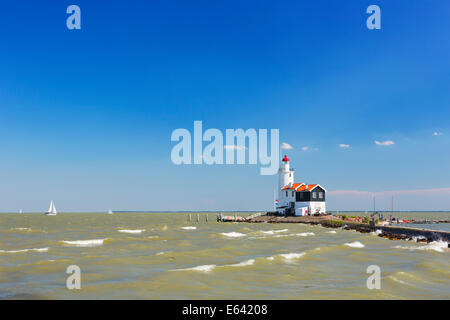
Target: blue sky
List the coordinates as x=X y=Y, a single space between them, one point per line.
x=86 y=115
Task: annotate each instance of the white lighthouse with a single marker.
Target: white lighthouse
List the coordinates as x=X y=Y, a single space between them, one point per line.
x=298 y=198
x=285 y=178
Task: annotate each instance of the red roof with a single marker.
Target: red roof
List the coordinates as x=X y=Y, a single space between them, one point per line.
x=286 y=159
x=300 y=187
x=308 y=187
x=294 y=186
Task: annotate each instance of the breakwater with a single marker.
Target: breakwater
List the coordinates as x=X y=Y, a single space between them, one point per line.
x=390 y=232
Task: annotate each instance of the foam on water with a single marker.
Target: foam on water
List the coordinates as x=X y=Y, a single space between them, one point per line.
x=438 y=246
x=355 y=244
x=287 y=256
x=243 y=263
x=204 y=268
x=290 y=256
x=132 y=231
x=209 y=267
x=189 y=228
x=274 y=231
x=233 y=234
x=305 y=234
x=85 y=243
x=398 y=280
x=25 y=250
x=415 y=239
x=22 y=229
x=332 y=231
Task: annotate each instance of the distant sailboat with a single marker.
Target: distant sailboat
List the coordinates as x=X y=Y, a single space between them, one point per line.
x=110 y=211
x=20 y=211
x=51 y=210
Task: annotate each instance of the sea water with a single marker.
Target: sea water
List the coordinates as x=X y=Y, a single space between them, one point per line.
x=164 y=256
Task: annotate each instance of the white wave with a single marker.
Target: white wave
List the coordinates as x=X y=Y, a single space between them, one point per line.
x=205 y=268
x=233 y=234
x=85 y=243
x=332 y=231
x=132 y=231
x=290 y=256
x=25 y=250
x=22 y=229
x=274 y=231
x=282 y=235
x=376 y=232
x=355 y=244
x=439 y=246
x=305 y=234
x=189 y=228
x=398 y=280
x=160 y=253
x=243 y=263
x=415 y=239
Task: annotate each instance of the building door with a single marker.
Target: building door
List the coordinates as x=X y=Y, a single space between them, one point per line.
x=292 y=208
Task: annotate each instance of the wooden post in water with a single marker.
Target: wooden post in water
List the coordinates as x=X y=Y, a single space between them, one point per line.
x=190 y=218
x=235 y=219
x=198 y=217
x=206 y=217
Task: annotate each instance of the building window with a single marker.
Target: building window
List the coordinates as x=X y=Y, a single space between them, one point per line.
x=320 y=195
x=314 y=194
x=292 y=193
x=286 y=194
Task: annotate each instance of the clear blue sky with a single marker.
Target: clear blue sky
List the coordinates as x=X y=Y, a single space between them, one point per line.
x=86 y=115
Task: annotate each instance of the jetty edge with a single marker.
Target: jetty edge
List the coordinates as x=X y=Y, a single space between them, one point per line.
x=389 y=232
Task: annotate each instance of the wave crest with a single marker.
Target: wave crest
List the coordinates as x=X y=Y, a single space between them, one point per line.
x=84 y=243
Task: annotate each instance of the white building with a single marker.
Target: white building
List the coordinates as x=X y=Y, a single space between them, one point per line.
x=298 y=198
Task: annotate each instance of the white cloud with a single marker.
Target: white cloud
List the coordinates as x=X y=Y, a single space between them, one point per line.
x=437 y=133
x=233 y=147
x=285 y=145
x=305 y=148
x=343 y=145
x=385 y=143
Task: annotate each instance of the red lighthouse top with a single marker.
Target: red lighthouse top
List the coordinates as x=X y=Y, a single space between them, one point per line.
x=285 y=159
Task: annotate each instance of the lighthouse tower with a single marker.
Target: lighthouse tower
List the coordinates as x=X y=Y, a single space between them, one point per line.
x=285 y=177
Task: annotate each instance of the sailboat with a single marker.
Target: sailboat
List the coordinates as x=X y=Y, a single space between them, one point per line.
x=20 y=211
x=51 y=210
x=110 y=211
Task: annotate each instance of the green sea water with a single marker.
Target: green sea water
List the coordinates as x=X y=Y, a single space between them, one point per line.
x=164 y=256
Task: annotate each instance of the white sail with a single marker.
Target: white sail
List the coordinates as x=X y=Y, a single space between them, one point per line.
x=110 y=211
x=52 y=209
